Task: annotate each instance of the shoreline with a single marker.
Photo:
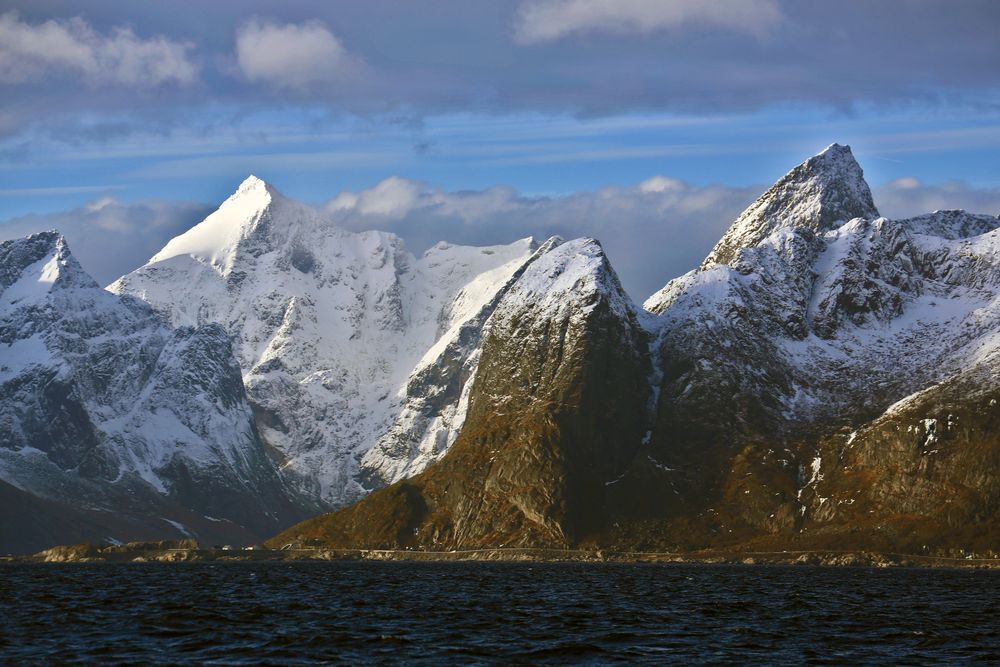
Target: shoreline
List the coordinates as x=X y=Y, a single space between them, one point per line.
x=846 y=558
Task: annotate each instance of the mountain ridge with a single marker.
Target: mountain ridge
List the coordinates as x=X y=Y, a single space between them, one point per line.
x=825 y=376
x=753 y=387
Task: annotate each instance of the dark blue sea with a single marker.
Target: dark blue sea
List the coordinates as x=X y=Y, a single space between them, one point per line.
x=490 y=613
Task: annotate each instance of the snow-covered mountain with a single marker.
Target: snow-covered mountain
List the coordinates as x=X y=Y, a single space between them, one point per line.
x=105 y=408
x=826 y=377
x=835 y=317
x=356 y=355
x=826 y=374
x=813 y=321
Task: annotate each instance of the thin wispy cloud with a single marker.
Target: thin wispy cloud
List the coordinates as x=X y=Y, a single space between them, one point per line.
x=546 y=20
x=240 y=163
x=55 y=190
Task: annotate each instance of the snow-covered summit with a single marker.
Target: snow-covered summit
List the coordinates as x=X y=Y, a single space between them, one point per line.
x=826 y=190
x=33 y=266
x=567 y=276
x=254 y=219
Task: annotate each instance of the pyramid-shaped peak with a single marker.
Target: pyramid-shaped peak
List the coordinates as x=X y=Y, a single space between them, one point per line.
x=216 y=238
x=254 y=189
x=835 y=160
x=827 y=189
x=42 y=260
x=253 y=183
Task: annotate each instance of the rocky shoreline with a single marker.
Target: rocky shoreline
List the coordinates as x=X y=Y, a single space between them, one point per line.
x=187 y=551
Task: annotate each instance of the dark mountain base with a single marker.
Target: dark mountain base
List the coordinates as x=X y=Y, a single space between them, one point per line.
x=29 y=524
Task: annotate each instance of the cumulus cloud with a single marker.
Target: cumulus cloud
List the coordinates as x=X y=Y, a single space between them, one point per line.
x=109 y=237
x=291 y=55
x=908 y=196
x=546 y=20
x=391 y=199
x=652 y=232
x=71 y=47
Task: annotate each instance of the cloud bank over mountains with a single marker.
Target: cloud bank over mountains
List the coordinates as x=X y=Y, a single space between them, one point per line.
x=654 y=230
x=110 y=237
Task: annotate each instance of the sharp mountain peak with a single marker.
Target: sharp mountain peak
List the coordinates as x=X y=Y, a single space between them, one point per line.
x=826 y=189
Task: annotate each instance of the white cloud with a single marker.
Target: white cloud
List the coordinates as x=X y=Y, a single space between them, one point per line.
x=908 y=196
x=392 y=199
x=31 y=52
x=295 y=56
x=661 y=184
x=546 y=20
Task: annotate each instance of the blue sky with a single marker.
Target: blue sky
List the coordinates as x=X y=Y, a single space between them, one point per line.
x=166 y=107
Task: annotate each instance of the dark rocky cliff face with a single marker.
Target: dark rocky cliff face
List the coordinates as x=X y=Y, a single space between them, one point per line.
x=557 y=412
x=926 y=474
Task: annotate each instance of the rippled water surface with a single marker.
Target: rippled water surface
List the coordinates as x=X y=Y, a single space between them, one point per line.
x=463 y=613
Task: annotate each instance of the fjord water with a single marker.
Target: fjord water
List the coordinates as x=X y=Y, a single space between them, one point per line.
x=432 y=613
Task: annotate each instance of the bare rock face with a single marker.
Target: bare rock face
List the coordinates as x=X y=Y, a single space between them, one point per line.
x=924 y=475
x=557 y=411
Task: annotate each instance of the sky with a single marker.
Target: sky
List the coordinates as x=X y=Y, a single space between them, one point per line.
x=648 y=124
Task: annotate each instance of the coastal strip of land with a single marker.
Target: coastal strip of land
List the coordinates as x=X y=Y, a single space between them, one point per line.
x=183 y=551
